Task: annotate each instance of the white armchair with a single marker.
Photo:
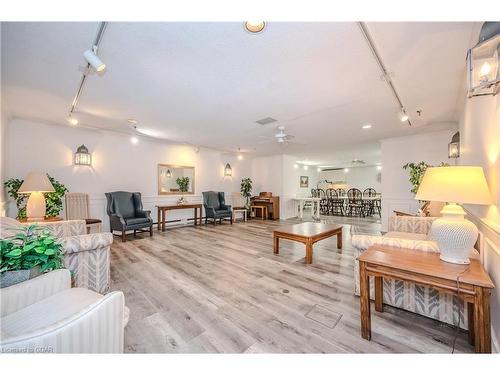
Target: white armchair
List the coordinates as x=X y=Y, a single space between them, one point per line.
x=45 y=314
x=411 y=232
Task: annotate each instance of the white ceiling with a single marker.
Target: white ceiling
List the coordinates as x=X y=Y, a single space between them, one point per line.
x=207 y=83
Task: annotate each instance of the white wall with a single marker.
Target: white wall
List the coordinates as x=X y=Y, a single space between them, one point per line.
x=358 y=177
x=396 y=152
x=3 y=125
x=278 y=175
x=480 y=145
x=116 y=164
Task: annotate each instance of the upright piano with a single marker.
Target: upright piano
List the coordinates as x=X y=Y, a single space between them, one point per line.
x=267 y=199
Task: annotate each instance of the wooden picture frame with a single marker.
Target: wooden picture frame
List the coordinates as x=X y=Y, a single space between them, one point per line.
x=163 y=169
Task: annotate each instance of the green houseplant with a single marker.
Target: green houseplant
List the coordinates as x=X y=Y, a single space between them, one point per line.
x=246 y=190
x=183 y=183
x=32 y=251
x=53 y=201
x=417 y=171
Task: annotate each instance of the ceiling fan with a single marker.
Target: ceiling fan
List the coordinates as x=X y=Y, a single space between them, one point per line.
x=281 y=136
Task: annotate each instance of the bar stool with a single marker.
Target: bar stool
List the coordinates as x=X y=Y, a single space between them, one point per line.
x=263 y=211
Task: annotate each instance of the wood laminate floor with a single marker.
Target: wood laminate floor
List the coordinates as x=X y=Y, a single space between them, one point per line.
x=222 y=290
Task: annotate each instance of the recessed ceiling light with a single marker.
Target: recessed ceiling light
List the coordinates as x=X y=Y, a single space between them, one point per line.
x=254 y=26
x=134 y=140
x=346 y=170
x=240 y=157
x=379 y=167
x=367 y=126
x=306 y=167
x=319 y=169
x=295 y=166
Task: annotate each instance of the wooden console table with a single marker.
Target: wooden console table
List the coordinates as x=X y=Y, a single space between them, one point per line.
x=162 y=213
x=425 y=268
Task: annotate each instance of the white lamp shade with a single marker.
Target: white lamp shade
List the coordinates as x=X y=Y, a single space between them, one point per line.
x=454 y=184
x=36 y=181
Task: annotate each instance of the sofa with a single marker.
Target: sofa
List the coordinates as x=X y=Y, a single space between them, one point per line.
x=411 y=232
x=87 y=256
x=46 y=315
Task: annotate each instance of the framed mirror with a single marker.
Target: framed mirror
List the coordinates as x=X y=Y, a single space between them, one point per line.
x=175 y=179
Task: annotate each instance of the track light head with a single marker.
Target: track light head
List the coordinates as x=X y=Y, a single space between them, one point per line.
x=95 y=61
x=403 y=116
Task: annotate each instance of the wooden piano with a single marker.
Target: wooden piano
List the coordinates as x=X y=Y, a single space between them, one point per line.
x=272 y=203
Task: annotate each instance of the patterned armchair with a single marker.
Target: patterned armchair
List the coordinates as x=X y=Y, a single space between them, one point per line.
x=411 y=232
x=87 y=256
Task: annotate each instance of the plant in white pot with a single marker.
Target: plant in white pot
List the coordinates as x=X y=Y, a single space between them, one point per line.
x=33 y=250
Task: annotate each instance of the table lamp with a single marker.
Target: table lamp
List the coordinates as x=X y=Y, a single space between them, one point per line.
x=454 y=234
x=35 y=184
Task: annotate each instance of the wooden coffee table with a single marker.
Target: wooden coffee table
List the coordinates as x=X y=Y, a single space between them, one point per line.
x=307 y=233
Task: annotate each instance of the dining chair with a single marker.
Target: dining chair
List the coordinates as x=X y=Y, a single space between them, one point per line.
x=369 y=204
x=355 y=202
x=336 y=204
x=77 y=208
x=323 y=203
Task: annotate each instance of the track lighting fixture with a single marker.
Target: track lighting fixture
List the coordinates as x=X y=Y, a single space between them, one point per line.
x=72 y=120
x=403 y=116
x=95 y=61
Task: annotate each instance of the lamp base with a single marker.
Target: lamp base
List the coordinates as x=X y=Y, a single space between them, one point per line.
x=454 y=235
x=35 y=208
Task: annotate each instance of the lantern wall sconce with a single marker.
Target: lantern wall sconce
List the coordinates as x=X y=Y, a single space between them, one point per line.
x=454 y=146
x=228 y=171
x=482 y=62
x=83 y=156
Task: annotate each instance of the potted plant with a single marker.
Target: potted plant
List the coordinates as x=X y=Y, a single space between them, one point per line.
x=53 y=201
x=183 y=183
x=417 y=171
x=246 y=190
x=27 y=254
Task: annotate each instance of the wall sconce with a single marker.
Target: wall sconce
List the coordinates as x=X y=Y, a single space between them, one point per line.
x=454 y=146
x=482 y=62
x=228 y=171
x=83 y=156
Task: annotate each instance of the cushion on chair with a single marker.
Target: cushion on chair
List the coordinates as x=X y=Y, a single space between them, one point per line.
x=137 y=220
x=48 y=311
x=220 y=213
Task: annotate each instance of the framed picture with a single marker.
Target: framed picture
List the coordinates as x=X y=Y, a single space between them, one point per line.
x=304 y=181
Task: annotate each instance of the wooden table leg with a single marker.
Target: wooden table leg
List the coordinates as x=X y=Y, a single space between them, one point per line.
x=482 y=324
x=158 y=216
x=379 y=294
x=364 y=302
x=195 y=216
x=309 y=252
x=201 y=215
x=163 y=219
x=276 y=247
x=339 y=240
x=470 y=318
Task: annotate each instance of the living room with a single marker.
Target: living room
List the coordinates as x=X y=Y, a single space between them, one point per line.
x=250 y=187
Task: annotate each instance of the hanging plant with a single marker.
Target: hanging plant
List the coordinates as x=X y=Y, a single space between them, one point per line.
x=53 y=200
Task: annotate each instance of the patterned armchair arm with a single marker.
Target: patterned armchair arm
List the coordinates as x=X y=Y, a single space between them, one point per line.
x=65 y=228
x=362 y=242
x=86 y=242
x=88 y=258
x=410 y=224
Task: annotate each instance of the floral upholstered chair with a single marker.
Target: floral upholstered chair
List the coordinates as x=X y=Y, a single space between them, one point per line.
x=411 y=232
x=87 y=256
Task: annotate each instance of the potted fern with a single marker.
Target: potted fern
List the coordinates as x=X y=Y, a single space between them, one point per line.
x=246 y=191
x=183 y=183
x=27 y=254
